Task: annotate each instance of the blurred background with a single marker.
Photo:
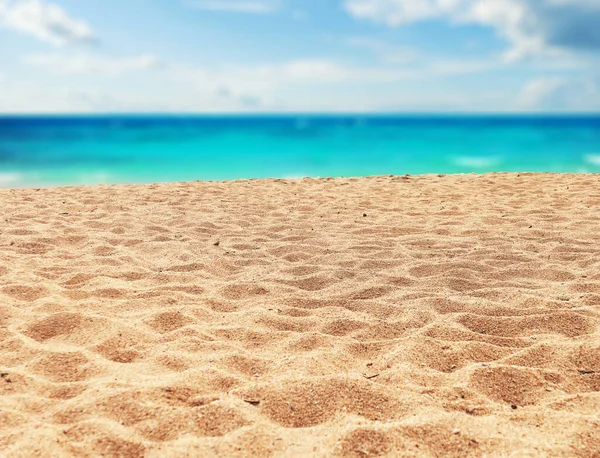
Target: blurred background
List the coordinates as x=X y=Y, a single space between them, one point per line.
x=140 y=91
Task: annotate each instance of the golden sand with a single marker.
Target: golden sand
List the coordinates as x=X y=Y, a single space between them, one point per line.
x=414 y=316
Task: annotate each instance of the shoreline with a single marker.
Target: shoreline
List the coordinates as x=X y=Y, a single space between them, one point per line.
x=301 y=178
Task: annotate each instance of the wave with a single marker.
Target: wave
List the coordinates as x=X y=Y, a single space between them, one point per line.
x=11 y=179
x=476 y=162
x=593 y=159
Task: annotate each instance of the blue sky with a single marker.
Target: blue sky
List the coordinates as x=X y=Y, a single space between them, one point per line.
x=90 y=56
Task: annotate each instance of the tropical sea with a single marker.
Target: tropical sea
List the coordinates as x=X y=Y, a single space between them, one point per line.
x=74 y=150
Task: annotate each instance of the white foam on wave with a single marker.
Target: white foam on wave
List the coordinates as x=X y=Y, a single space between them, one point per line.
x=90 y=178
x=11 y=179
x=476 y=162
x=593 y=159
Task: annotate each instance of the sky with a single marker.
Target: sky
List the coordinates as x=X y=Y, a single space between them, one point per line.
x=257 y=56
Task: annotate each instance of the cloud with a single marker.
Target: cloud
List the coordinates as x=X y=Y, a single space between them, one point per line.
x=303 y=84
x=532 y=27
x=296 y=85
x=534 y=93
x=421 y=66
x=385 y=51
x=561 y=94
x=19 y=96
x=250 y=101
x=112 y=100
x=22 y=97
x=290 y=86
x=258 y=79
x=235 y=6
x=247 y=101
x=88 y=64
x=46 y=21
x=328 y=85
x=448 y=67
x=326 y=71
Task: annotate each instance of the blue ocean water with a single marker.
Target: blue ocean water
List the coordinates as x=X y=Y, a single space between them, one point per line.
x=66 y=150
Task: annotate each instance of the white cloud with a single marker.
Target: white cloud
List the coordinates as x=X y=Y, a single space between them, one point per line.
x=235 y=6
x=421 y=67
x=561 y=94
x=322 y=85
x=296 y=85
x=325 y=71
x=534 y=92
x=88 y=64
x=209 y=91
x=46 y=21
x=393 y=12
x=305 y=85
x=25 y=97
x=447 y=67
x=385 y=51
x=260 y=79
x=19 y=97
x=531 y=26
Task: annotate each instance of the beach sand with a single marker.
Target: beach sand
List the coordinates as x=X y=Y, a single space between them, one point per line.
x=414 y=316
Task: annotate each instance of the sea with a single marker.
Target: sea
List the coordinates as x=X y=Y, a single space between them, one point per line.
x=39 y=151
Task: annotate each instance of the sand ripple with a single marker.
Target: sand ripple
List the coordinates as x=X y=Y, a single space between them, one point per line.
x=414 y=316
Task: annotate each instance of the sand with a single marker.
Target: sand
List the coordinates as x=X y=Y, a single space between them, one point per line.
x=412 y=316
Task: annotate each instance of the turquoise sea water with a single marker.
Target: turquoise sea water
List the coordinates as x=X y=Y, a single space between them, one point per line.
x=65 y=150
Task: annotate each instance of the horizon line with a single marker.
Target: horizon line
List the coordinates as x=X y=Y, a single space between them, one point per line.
x=307 y=113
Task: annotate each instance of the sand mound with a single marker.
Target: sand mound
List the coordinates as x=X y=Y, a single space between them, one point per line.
x=415 y=316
